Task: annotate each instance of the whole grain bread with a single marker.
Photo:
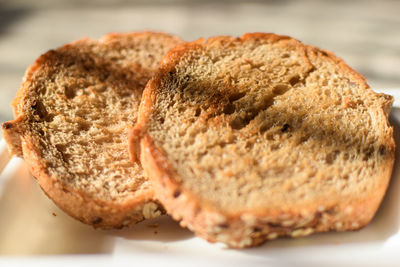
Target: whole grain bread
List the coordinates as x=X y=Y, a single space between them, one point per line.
x=248 y=139
x=72 y=115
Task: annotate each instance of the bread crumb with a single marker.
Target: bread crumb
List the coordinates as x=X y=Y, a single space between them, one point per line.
x=348 y=102
x=153 y=225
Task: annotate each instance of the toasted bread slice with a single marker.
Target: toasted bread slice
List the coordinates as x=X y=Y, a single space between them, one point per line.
x=247 y=139
x=72 y=115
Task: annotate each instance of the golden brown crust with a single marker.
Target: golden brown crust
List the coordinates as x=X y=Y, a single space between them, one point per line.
x=248 y=227
x=252 y=229
x=80 y=205
x=91 y=211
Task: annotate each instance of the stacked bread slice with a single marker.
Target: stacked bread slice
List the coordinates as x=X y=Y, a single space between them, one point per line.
x=247 y=139
x=72 y=114
x=242 y=139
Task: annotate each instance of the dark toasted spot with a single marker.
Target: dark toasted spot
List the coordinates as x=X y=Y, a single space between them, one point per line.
x=96 y=220
x=382 y=150
x=223 y=225
x=285 y=128
x=197 y=112
x=331 y=157
x=61 y=147
x=257 y=229
x=229 y=109
x=84 y=125
x=273 y=225
x=40 y=110
x=304 y=139
x=331 y=211
x=177 y=193
x=33 y=104
x=280 y=89
x=70 y=92
x=65 y=190
x=7 y=125
x=368 y=153
x=236 y=96
x=237 y=123
x=324 y=53
x=294 y=80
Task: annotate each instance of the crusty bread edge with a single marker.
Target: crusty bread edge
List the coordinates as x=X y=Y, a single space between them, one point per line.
x=248 y=228
x=100 y=214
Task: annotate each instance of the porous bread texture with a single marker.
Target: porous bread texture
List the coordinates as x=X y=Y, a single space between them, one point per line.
x=247 y=139
x=73 y=111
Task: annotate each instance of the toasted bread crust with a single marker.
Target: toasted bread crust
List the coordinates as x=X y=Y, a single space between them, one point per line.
x=95 y=212
x=246 y=228
x=250 y=229
x=102 y=213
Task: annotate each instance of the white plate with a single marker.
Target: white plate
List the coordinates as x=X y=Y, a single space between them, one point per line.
x=33 y=227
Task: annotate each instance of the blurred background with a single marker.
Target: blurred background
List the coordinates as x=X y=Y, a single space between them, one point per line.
x=366 y=33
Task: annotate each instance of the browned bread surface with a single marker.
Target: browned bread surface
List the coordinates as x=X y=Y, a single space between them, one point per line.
x=72 y=115
x=247 y=139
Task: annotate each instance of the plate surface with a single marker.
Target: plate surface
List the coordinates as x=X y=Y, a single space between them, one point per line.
x=33 y=227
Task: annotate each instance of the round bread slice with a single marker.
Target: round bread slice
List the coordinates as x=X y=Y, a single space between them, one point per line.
x=247 y=139
x=72 y=115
